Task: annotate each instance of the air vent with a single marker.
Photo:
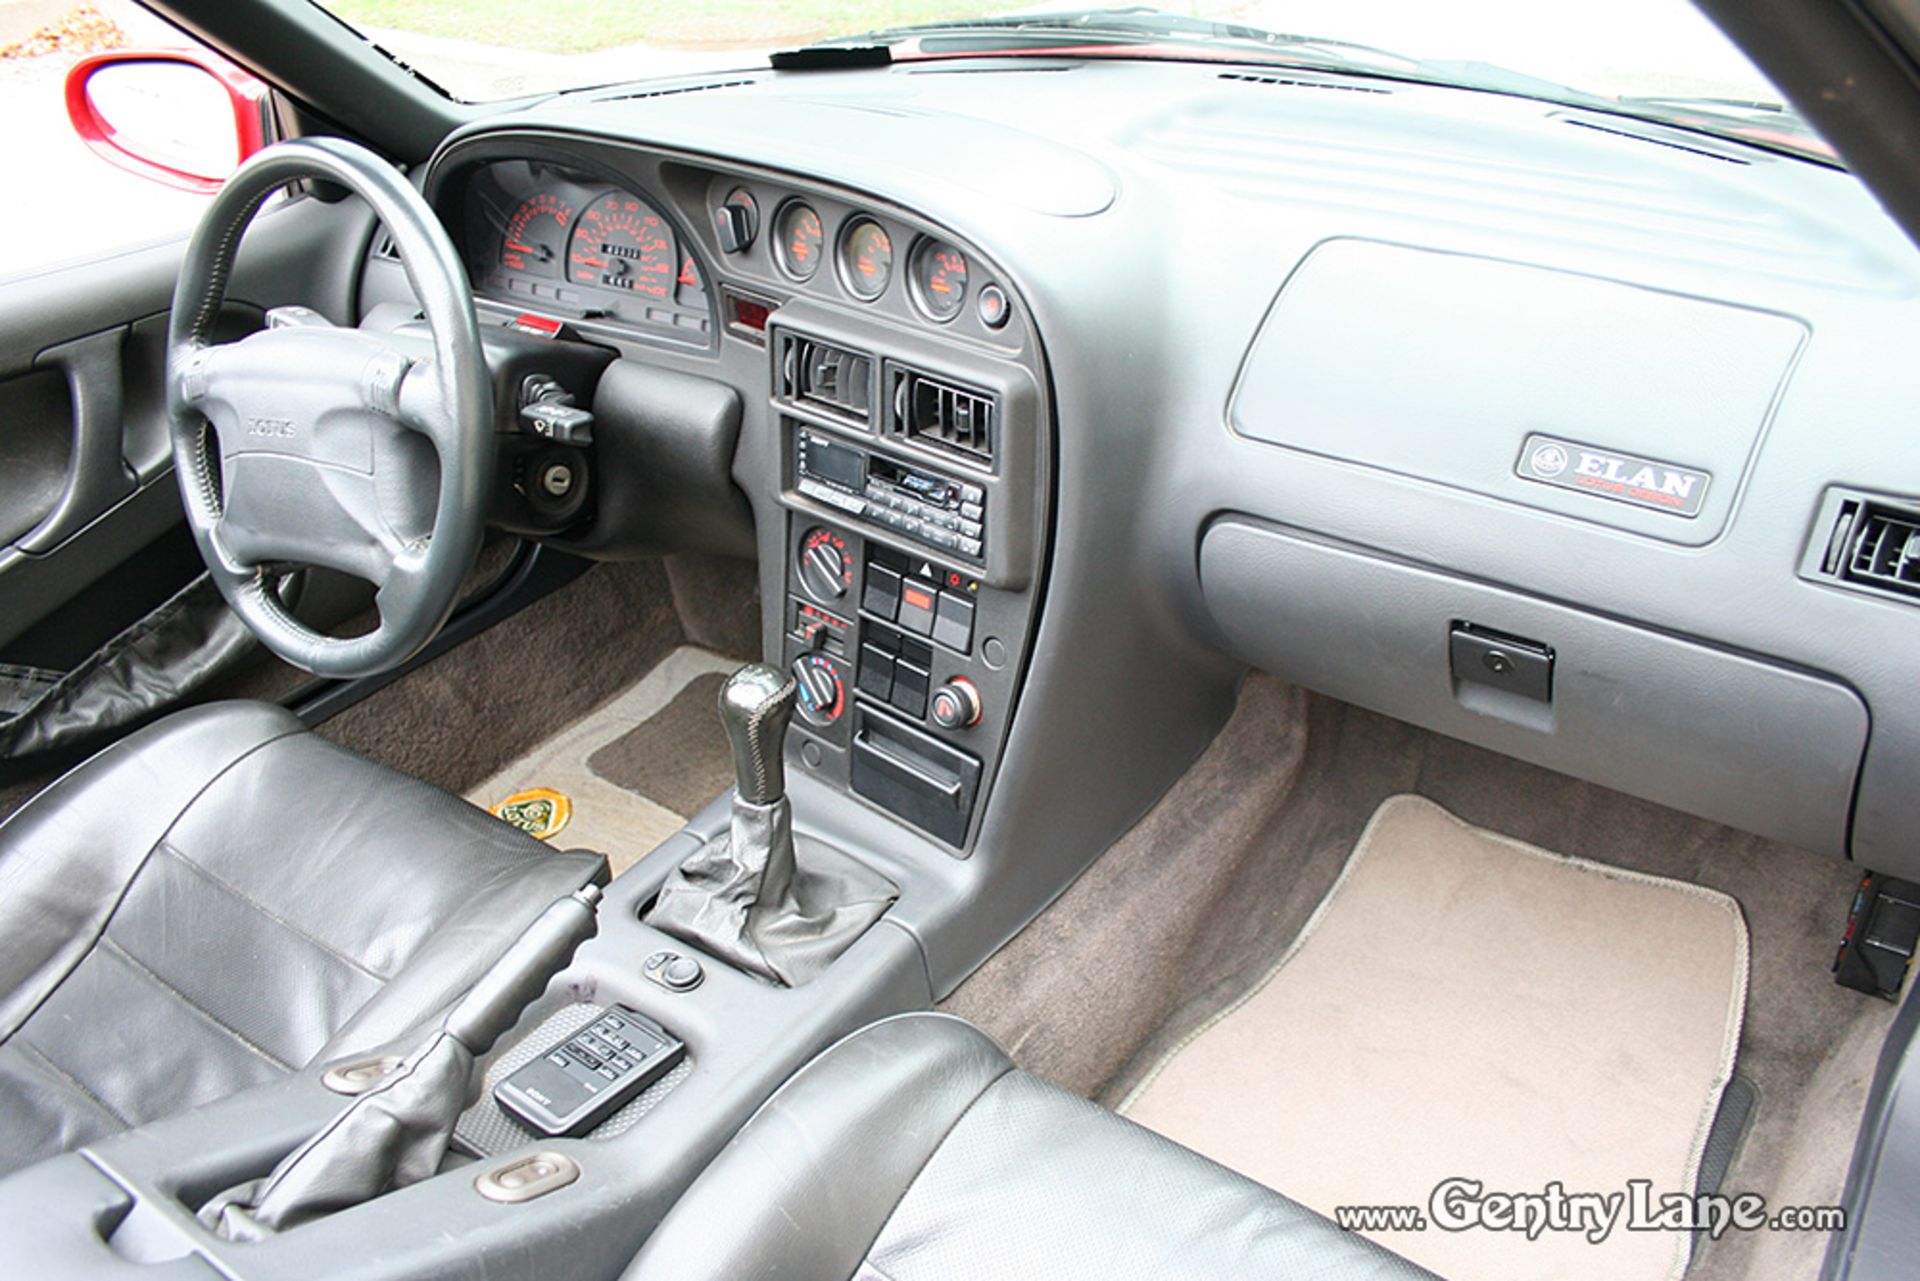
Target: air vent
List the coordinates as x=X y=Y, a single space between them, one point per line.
x=668 y=91
x=1866 y=543
x=383 y=246
x=1293 y=83
x=929 y=411
x=817 y=373
x=1875 y=546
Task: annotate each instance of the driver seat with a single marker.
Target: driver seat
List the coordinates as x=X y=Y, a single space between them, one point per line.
x=223 y=899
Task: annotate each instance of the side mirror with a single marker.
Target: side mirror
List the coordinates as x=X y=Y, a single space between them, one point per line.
x=182 y=117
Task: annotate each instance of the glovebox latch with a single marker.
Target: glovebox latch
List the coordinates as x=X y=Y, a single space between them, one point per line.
x=1499 y=660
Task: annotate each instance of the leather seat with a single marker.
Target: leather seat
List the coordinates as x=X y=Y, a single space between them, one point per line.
x=223 y=898
x=914 y=1149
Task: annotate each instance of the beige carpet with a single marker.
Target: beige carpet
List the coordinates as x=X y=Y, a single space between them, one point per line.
x=1464 y=1005
x=621 y=823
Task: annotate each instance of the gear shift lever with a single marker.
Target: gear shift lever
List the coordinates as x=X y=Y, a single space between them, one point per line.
x=756 y=704
x=744 y=897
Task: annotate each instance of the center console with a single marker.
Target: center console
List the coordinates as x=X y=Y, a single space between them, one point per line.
x=909 y=480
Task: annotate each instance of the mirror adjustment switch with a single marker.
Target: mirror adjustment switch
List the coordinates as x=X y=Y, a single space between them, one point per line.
x=583 y=1080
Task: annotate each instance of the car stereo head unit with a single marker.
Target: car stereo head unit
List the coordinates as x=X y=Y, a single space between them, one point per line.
x=919 y=505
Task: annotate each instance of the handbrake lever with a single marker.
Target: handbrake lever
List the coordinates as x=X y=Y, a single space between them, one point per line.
x=496 y=1001
x=396 y=1133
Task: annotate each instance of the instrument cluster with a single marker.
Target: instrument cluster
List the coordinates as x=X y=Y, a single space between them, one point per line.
x=574 y=246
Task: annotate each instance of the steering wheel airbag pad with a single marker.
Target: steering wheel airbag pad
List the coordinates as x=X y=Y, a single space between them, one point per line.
x=329 y=446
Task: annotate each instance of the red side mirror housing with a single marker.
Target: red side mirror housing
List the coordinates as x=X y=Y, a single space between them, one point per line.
x=182 y=117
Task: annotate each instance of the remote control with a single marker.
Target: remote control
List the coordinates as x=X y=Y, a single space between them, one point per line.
x=591 y=1075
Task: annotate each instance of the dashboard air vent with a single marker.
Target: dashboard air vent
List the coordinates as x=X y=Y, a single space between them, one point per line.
x=1875 y=546
x=383 y=246
x=1294 y=83
x=818 y=373
x=929 y=411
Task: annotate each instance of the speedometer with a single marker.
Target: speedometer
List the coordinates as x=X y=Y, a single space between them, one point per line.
x=533 y=236
x=939 y=279
x=622 y=244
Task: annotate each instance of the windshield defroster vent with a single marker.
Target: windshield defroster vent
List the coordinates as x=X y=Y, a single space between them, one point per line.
x=1869 y=544
x=668 y=91
x=944 y=415
x=1295 y=83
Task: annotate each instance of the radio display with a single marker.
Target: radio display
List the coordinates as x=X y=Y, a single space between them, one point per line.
x=839 y=465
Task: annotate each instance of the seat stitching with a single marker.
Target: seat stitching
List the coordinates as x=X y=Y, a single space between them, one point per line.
x=221 y=883
x=126 y=886
x=78 y=1085
x=193 y=1005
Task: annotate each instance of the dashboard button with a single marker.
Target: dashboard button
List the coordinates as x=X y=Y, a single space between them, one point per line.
x=953 y=622
x=917 y=608
x=876 y=673
x=882 y=595
x=910 y=689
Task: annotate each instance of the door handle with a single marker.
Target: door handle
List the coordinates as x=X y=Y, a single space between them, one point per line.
x=97 y=474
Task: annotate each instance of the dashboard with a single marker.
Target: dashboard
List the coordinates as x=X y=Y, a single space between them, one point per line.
x=1297 y=342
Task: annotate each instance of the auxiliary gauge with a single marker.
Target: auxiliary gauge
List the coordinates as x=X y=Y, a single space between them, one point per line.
x=938 y=276
x=866 y=259
x=799 y=237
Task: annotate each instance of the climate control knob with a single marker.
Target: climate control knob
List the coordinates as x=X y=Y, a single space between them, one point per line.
x=826 y=568
x=956 y=704
x=822 y=694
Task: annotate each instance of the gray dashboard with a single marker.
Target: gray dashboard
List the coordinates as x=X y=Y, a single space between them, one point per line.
x=1285 y=343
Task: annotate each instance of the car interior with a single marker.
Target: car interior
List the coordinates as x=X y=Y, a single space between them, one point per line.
x=963 y=660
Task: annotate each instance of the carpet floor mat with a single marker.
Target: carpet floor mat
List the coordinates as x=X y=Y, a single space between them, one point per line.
x=638 y=767
x=1465 y=1006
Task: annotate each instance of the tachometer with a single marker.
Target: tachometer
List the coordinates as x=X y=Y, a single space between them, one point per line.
x=533 y=236
x=798 y=239
x=866 y=258
x=622 y=244
x=939 y=279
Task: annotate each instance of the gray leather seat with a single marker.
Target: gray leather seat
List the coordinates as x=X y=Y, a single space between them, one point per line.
x=223 y=898
x=914 y=1150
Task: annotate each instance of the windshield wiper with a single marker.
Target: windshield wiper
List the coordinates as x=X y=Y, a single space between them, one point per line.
x=1085 y=28
x=1770 y=125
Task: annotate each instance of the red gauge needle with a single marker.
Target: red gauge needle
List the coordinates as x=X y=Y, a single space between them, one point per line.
x=514 y=244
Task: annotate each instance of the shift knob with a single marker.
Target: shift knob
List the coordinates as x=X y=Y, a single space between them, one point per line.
x=755 y=705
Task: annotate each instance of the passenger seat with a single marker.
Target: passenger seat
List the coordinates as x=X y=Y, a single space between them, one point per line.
x=914 y=1150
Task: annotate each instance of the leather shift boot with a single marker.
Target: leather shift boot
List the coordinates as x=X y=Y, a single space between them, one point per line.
x=747 y=900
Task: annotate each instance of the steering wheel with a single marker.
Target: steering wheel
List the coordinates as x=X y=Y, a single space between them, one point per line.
x=306 y=444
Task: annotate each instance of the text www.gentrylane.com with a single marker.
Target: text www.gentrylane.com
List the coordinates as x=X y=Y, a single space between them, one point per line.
x=1464 y=1205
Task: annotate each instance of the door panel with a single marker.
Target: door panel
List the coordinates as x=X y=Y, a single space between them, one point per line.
x=91 y=532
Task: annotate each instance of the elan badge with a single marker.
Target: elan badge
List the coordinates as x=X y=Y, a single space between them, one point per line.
x=1606 y=473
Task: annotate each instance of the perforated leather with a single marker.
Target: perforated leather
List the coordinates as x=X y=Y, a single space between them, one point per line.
x=223 y=898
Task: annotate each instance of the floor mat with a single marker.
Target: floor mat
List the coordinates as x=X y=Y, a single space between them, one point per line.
x=679 y=756
x=1462 y=1005
x=625 y=822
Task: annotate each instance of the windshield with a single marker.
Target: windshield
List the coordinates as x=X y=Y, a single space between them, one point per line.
x=1656 y=58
